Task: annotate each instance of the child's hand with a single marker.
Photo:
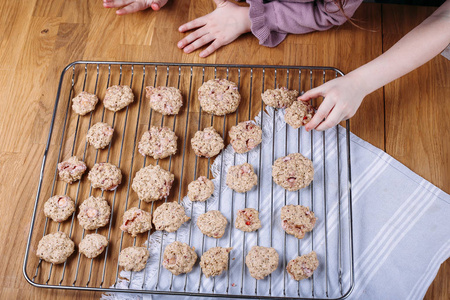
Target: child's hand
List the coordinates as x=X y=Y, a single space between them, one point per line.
x=225 y=24
x=342 y=97
x=132 y=6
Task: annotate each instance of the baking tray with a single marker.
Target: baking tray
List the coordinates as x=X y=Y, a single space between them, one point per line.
x=334 y=277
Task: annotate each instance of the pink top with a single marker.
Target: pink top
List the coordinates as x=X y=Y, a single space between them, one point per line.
x=273 y=20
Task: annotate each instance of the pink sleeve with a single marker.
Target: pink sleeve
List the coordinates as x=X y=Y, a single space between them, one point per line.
x=272 y=21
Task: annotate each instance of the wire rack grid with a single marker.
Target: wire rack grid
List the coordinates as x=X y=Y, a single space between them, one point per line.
x=334 y=243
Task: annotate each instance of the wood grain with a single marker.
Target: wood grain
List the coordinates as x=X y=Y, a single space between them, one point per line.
x=40 y=37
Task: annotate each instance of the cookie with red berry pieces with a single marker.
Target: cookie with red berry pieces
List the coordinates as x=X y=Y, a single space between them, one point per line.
x=293 y=172
x=247 y=219
x=219 y=97
x=245 y=136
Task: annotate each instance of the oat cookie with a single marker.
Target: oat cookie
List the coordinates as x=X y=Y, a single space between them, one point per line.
x=261 y=261
x=133 y=258
x=59 y=208
x=297 y=220
x=219 y=97
x=299 y=114
x=55 y=248
x=71 y=170
x=293 y=172
x=152 y=183
x=241 y=178
x=245 y=136
x=99 y=135
x=214 y=261
x=136 y=221
x=200 y=189
x=118 y=97
x=94 y=213
x=158 y=142
x=105 y=176
x=247 y=220
x=279 y=98
x=169 y=216
x=179 y=258
x=212 y=223
x=165 y=100
x=84 y=103
x=207 y=143
x=92 y=245
x=303 y=266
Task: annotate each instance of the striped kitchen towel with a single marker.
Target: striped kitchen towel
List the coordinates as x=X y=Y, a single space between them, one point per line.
x=401 y=224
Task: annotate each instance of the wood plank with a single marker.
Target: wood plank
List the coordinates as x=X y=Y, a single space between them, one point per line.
x=417 y=123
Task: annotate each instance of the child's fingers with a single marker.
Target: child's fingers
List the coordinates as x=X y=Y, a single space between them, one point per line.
x=211 y=48
x=333 y=118
x=313 y=93
x=155 y=6
x=199 y=22
x=116 y=3
x=131 y=8
x=199 y=42
x=322 y=113
x=192 y=37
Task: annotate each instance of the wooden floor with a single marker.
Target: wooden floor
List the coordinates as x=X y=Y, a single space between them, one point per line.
x=407 y=118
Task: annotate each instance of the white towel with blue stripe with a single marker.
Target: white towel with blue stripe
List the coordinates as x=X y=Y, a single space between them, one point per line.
x=401 y=225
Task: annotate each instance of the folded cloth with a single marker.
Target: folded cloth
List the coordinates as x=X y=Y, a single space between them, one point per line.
x=401 y=224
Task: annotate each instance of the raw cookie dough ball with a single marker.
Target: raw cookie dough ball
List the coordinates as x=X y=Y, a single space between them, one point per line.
x=212 y=224
x=133 y=258
x=179 y=258
x=84 y=102
x=219 y=97
x=59 y=208
x=71 y=170
x=158 y=142
x=92 y=245
x=105 y=176
x=261 y=261
x=165 y=100
x=55 y=247
x=241 y=178
x=297 y=220
x=118 y=97
x=94 y=213
x=279 y=98
x=207 y=143
x=152 y=183
x=169 y=216
x=136 y=221
x=303 y=266
x=99 y=135
x=293 y=172
x=200 y=189
x=247 y=220
x=245 y=136
x=214 y=261
x=298 y=114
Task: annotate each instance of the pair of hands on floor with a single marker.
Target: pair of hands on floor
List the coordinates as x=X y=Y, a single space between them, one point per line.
x=225 y=24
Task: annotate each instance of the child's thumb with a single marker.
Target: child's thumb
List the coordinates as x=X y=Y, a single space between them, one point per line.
x=314 y=93
x=157 y=4
x=220 y=3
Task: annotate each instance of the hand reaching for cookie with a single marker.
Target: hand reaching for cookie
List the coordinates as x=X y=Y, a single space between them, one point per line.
x=342 y=97
x=225 y=24
x=132 y=6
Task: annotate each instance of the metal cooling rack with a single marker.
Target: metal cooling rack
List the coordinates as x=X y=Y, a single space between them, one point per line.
x=66 y=138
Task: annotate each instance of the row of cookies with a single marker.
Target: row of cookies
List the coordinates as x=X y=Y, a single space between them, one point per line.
x=180 y=258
